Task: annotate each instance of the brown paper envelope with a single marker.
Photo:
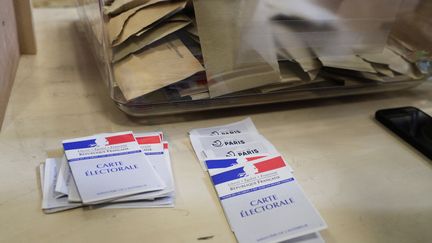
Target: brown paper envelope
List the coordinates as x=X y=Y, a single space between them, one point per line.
x=351 y=62
x=119 y=6
x=233 y=62
x=136 y=43
x=395 y=62
x=383 y=69
x=176 y=18
x=200 y=96
x=115 y=25
x=155 y=68
x=147 y=16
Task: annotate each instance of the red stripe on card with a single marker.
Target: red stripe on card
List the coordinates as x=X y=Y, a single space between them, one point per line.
x=120 y=139
x=148 y=140
x=271 y=164
x=254 y=158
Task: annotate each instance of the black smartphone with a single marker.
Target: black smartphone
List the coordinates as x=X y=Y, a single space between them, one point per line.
x=411 y=124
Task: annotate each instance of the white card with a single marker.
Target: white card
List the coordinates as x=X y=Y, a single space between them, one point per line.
x=164 y=202
x=73 y=194
x=63 y=177
x=262 y=147
x=309 y=238
x=245 y=126
x=160 y=161
x=264 y=203
x=50 y=201
x=150 y=141
x=111 y=166
x=203 y=143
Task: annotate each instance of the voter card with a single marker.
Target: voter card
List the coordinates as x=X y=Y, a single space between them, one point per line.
x=160 y=161
x=73 y=194
x=50 y=201
x=106 y=167
x=164 y=202
x=262 y=147
x=245 y=126
x=258 y=196
x=202 y=143
x=63 y=178
x=309 y=238
x=66 y=184
x=150 y=141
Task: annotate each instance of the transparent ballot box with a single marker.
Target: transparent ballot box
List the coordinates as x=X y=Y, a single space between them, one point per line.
x=172 y=56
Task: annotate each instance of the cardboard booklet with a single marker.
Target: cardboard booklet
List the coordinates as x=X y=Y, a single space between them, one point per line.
x=106 y=167
x=264 y=203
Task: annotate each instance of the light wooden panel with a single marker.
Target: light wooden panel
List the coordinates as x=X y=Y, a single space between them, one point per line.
x=9 y=52
x=24 y=19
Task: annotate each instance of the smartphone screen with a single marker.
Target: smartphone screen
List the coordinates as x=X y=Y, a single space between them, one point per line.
x=411 y=124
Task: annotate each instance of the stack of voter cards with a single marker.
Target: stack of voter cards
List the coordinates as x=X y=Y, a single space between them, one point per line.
x=111 y=170
x=262 y=200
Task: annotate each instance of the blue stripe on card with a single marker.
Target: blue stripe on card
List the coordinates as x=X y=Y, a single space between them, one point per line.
x=153 y=153
x=104 y=155
x=80 y=144
x=256 y=189
x=228 y=176
x=220 y=163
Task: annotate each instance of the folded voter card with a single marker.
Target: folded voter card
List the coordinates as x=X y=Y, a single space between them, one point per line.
x=150 y=141
x=309 y=238
x=73 y=194
x=65 y=184
x=64 y=177
x=50 y=201
x=160 y=161
x=110 y=166
x=262 y=147
x=202 y=143
x=264 y=203
x=245 y=126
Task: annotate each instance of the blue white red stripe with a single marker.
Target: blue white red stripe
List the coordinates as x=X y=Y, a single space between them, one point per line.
x=259 y=167
x=111 y=140
x=225 y=163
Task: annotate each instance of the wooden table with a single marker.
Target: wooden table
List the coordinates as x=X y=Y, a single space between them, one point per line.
x=368 y=185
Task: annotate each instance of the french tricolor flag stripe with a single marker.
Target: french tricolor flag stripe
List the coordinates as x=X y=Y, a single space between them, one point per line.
x=80 y=144
x=149 y=140
x=220 y=163
x=254 y=158
x=228 y=176
x=125 y=138
x=271 y=164
x=264 y=166
x=225 y=163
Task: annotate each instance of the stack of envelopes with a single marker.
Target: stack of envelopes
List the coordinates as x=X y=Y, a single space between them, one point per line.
x=111 y=170
x=147 y=55
x=268 y=46
x=262 y=199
